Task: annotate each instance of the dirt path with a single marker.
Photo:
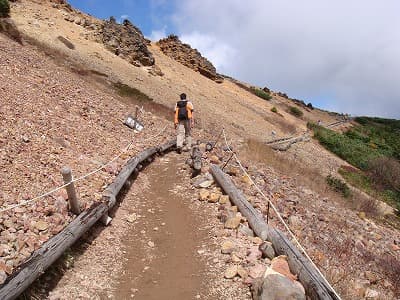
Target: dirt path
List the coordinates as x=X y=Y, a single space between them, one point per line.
x=161 y=248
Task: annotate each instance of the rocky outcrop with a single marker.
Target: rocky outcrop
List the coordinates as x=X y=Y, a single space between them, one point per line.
x=126 y=41
x=189 y=57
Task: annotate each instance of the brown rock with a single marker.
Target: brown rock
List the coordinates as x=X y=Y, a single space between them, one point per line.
x=204 y=194
x=231 y=272
x=224 y=199
x=41 y=225
x=184 y=54
x=127 y=41
x=233 y=223
x=214 y=197
x=279 y=264
x=242 y=272
x=227 y=247
x=3 y=277
x=214 y=159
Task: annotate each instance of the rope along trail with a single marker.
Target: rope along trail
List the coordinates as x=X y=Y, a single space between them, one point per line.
x=127 y=148
x=278 y=214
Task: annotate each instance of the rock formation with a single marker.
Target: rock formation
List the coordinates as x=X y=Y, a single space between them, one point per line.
x=127 y=41
x=189 y=57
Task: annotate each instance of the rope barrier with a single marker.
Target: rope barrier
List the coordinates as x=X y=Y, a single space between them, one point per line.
x=127 y=148
x=279 y=216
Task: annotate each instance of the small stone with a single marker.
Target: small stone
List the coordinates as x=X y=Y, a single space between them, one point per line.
x=362 y=215
x=3 y=277
x=371 y=294
x=204 y=194
x=214 y=197
x=246 y=230
x=256 y=271
x=233 y=223
x=253 y=254
x=245 y=179
x=155 y=228
x=151 y=244
x=214 y=159
x=294 y=222
x=131 y=218
x=206 y=183
x=395 y=247
x=267 y=249
x=242 y=272
x=233 y=209
x=224 y=199
x=227 y=247
x=256 y=240
x=371 y=277
x=41 y=225
x=231 y=272
x=235 y=258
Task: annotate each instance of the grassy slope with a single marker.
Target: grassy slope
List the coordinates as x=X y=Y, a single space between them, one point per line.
x=371 y=139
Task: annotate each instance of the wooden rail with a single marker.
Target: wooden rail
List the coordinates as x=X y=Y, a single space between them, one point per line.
x=50 y=251
x=314 y=284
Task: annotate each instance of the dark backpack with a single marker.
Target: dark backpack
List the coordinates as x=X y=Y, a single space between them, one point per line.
x=182 y=110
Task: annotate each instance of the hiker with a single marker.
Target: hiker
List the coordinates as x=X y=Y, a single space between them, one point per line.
x=184 y=122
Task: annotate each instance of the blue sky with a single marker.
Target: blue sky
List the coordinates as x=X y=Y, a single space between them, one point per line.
x=148 y=15
x=339 y=55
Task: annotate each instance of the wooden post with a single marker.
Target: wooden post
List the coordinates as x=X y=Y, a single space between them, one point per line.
x=50 y=251
x=136 y=116
x=72 y=197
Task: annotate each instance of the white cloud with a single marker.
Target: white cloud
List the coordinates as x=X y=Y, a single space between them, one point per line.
x=122 y=18
x=157 y=35
x=221 y=55
x=345 y=50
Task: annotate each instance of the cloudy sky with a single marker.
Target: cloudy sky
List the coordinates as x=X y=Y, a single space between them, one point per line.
x=341 y=55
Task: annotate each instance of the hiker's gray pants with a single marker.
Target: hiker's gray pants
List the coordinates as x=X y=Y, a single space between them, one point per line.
x=184 y=133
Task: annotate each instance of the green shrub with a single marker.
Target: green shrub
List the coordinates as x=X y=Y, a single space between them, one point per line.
x=295 y=111
x=262 y=94
x=4 y=8
x=338 y=185
x=274 y=109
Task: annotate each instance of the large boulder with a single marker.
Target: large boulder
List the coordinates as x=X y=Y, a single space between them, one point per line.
x=275 y=286
x=126 y=41
x=278 y=283
x=189 y=57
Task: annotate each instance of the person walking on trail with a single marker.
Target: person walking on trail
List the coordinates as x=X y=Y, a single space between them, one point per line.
x=184 y=122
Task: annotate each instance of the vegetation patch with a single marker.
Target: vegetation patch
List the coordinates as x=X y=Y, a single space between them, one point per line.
x=373 y=146
x=274 y=109
x=295 y=111
x=260 y=93
x=125 y=90
x=363 y=181
x=4 y=9
x=338 y=185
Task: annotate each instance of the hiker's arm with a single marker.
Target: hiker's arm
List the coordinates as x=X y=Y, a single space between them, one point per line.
x=176 y=117
x=192 y=120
